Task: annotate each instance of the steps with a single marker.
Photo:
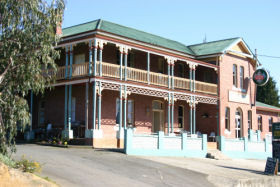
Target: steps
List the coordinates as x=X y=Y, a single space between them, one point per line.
x=216 y=154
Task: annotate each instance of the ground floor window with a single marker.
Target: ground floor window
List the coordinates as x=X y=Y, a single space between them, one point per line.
x=270 y=124
x=130 y=111
x=260 y=123
x=227 y=122
x=238 y=123
x=180 y=116
x=249 y=119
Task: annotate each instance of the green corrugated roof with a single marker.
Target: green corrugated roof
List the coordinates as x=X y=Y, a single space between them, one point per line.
x=260 y=104
x=126 y=32
x=212 y=47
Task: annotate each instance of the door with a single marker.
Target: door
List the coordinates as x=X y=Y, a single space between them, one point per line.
x=157 y=121
x=158 y=124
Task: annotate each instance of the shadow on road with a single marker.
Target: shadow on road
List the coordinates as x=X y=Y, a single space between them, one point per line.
x=242 y=169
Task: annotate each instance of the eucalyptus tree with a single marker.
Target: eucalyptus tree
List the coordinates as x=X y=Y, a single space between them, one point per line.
x=27 y=40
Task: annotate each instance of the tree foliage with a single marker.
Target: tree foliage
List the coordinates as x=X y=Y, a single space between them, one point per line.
x=27 y=39
x=268 y=93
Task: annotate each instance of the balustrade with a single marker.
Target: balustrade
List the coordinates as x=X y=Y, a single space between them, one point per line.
x=133 y=74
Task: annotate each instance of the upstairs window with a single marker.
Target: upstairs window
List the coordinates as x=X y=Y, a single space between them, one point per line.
x=227 y=118
x=260 y=123
x=234 y=75
x=181 y=70
x=241 y=77
x=130 y=59
x=161 y=65
x=270 y=121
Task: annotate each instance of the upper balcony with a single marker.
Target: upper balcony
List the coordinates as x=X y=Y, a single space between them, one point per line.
x=137 y=70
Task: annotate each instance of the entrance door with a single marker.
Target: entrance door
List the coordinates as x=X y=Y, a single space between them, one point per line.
x=157 y=121
x=158 y=124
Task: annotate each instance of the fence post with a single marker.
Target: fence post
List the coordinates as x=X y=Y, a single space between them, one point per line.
x=266 y=144
x=160 y=139
x=251 y=134
x=245 y=144
x=259 y=135
x=184 y=141
x=221 y=140
x=128 y=133
x=204 y=142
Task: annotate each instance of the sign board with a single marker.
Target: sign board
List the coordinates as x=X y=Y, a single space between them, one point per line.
x=276 y=151
x=271 y=166
x=276 y=131
x=260 y=77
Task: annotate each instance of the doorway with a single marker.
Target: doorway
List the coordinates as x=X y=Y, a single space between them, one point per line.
x=158 y=122
x=238 y=123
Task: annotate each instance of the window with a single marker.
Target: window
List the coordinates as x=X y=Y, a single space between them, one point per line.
x=130 y=112
x=41 y=113
x=238 y=123
x=235 y=75
x=79 y=59
x=181 y=70
x=241 y=77
x=249 y=119
x=270 y=121
x=260 y=123
x=161 y=65
x=157 y=105
x=180 y=116
x=227 y=118
x=130 y=59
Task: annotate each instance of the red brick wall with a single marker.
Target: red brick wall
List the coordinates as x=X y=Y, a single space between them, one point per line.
x=226 y=84
x=265 y=120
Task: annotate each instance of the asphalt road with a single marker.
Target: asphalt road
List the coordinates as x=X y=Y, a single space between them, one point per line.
x=89 y=167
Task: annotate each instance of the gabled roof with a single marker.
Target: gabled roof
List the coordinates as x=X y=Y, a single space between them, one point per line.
x=126 y=32
x=261 y=105
x=213 y=47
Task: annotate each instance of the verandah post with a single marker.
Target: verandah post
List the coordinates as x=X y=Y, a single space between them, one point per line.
x=66 y=62
x=191 y=115
x=90 y=57
x=70 y=107
x=148 y=67
x=31 y=110
x=168 y=115
x=71 y=61
x=94 y=105
x=172 y=112
x=99 y=105
x=124 y=107
x=100 y=59
x=194 y=115
x=94 y=57
x=125 y=65
x=86 y=107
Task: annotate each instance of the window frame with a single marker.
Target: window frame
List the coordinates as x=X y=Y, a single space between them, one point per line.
x=260 y=126
x=270 y=121
x=181 y=117
x=234 y=75
x=241 y=77
x=227 y=118
x=250 y=119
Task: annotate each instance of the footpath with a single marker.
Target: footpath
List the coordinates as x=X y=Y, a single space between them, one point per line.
x=227 y=172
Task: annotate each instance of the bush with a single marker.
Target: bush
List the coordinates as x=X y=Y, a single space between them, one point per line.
x=28 y=165
x=7 y=161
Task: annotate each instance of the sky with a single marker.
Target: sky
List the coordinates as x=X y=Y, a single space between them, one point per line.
x=190 y=21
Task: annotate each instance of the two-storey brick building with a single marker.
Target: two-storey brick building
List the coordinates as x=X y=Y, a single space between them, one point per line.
x=111 y=77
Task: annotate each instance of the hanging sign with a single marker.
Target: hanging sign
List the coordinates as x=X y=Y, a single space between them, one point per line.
x=260 y=77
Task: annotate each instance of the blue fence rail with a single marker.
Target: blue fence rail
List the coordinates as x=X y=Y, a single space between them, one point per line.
x=161 y=145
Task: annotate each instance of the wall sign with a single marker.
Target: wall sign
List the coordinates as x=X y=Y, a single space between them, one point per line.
x=276 y=131
x=260 y=77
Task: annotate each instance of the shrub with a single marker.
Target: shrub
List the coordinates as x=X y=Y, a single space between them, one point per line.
x=7 y=161
x=28 y=165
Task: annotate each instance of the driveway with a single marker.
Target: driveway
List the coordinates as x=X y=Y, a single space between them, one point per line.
x=90 y=167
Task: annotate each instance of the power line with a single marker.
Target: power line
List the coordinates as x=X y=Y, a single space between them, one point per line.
x=269 y=56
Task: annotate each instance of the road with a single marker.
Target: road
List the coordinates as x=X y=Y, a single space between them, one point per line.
x=90 y=167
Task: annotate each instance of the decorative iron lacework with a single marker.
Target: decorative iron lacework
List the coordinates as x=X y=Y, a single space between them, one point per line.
x=143 y=91
x=110 y=86
x=156 y=93
x=206 y=100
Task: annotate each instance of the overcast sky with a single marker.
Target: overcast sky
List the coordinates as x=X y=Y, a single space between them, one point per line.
x=189 y=21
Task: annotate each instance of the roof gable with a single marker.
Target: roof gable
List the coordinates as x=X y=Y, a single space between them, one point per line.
x=212 y=47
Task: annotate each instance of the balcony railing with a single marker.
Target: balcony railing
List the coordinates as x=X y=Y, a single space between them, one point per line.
x=137 y=75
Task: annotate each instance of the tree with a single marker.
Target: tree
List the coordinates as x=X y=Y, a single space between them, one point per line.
x=268 y=93
x=27 y=39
